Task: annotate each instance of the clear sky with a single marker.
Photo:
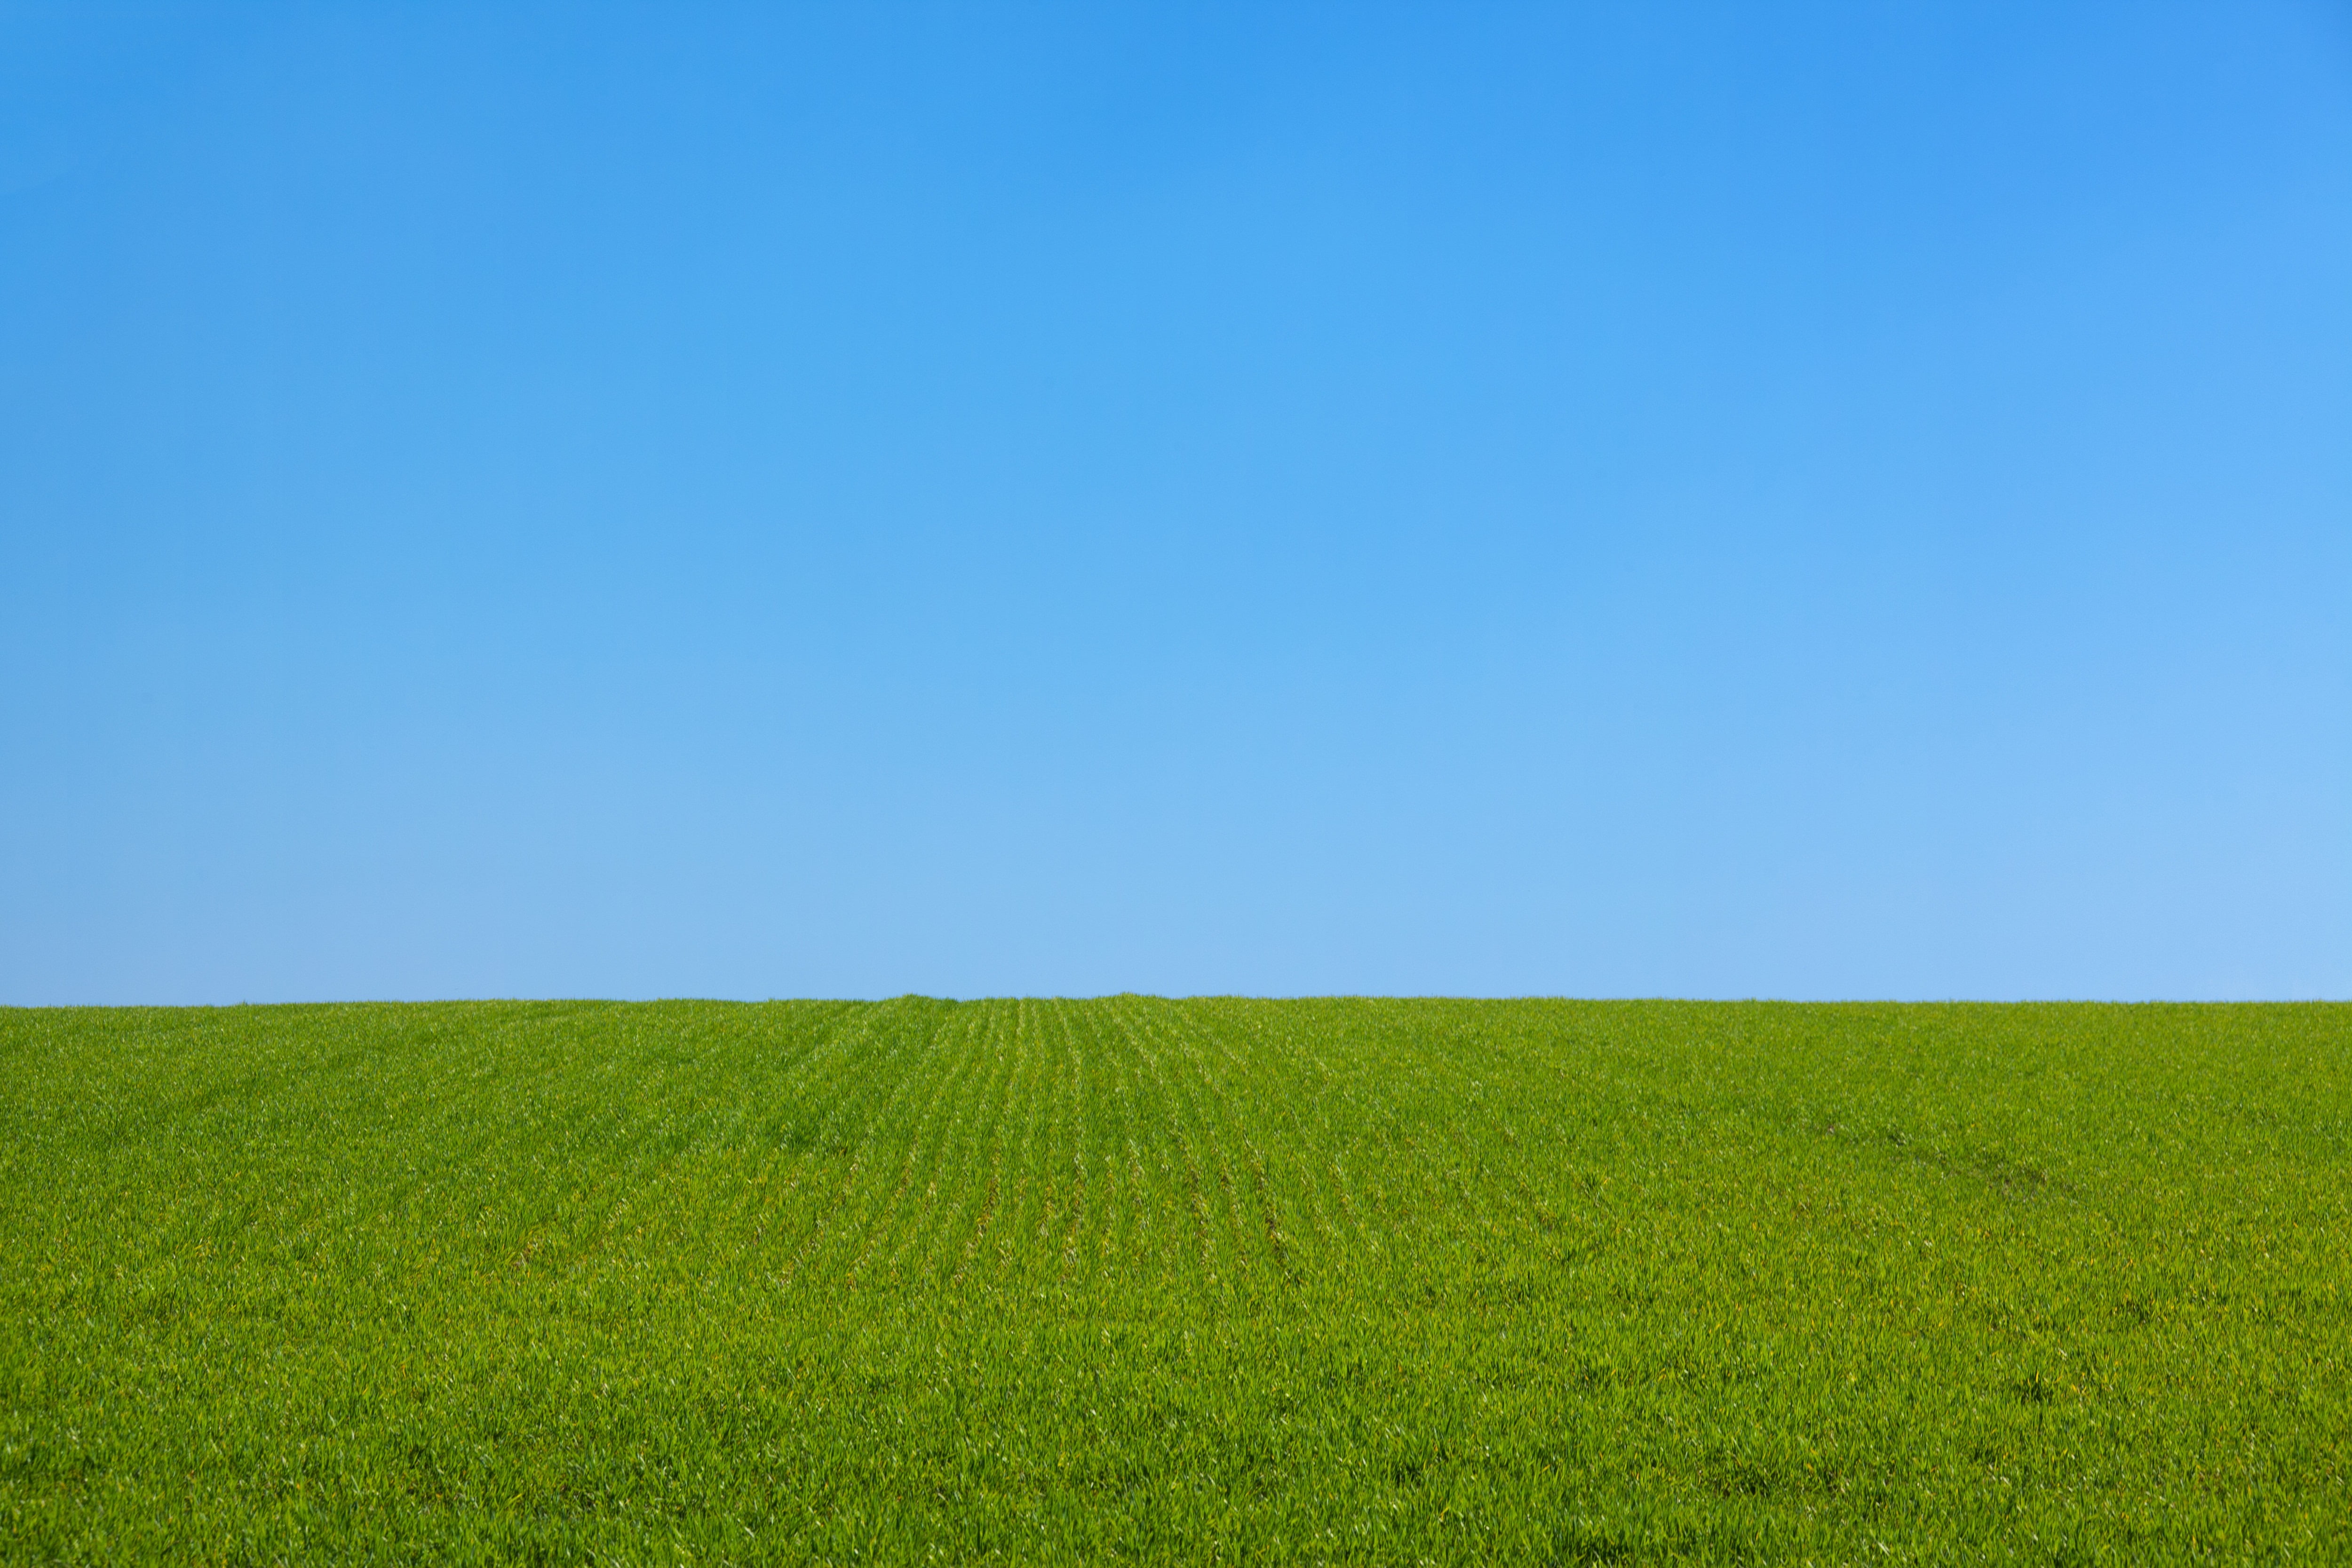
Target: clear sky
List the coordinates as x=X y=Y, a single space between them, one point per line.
x=747 y=502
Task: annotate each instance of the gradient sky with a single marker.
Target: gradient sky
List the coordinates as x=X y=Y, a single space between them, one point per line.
x=747 y=502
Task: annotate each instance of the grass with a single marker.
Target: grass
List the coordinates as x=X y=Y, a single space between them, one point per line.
x=1209 y=1280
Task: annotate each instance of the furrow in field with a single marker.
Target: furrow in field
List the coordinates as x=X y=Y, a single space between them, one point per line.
x=1494 y=1207
x=790 y=1136
x=1204 y=1112
x=1362 y=1171
x=1131 y=1240
x=1186 y=1200
x=903 y=1073
x=1081 y=1238
x=813 y=1185
x=915 y=1249
x=931 y=1081
x=945 y=1172
x=1152 y=1211
x=1049 y=1172
x=1321 y=1175
x=1272 y=1158
x=1223 y=1096
x=1058 y=1211
x=1002 y=1211
x=1107 y=1200
x=1210 y=1211
x=1099 y=1196
x=984 y=1189
x=741 y=1210
x=780 y=1038
x=1017 y=1219
x=1349 y=1188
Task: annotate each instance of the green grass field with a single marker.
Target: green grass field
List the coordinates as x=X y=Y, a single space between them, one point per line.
x=1214 y=1280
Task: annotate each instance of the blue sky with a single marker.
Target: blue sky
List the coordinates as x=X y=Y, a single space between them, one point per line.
x=1847 y=501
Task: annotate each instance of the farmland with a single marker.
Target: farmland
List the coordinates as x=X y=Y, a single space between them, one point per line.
x=1133 y=1279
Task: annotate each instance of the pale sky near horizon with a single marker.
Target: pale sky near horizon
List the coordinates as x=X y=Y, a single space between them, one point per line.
x=1803 y=502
